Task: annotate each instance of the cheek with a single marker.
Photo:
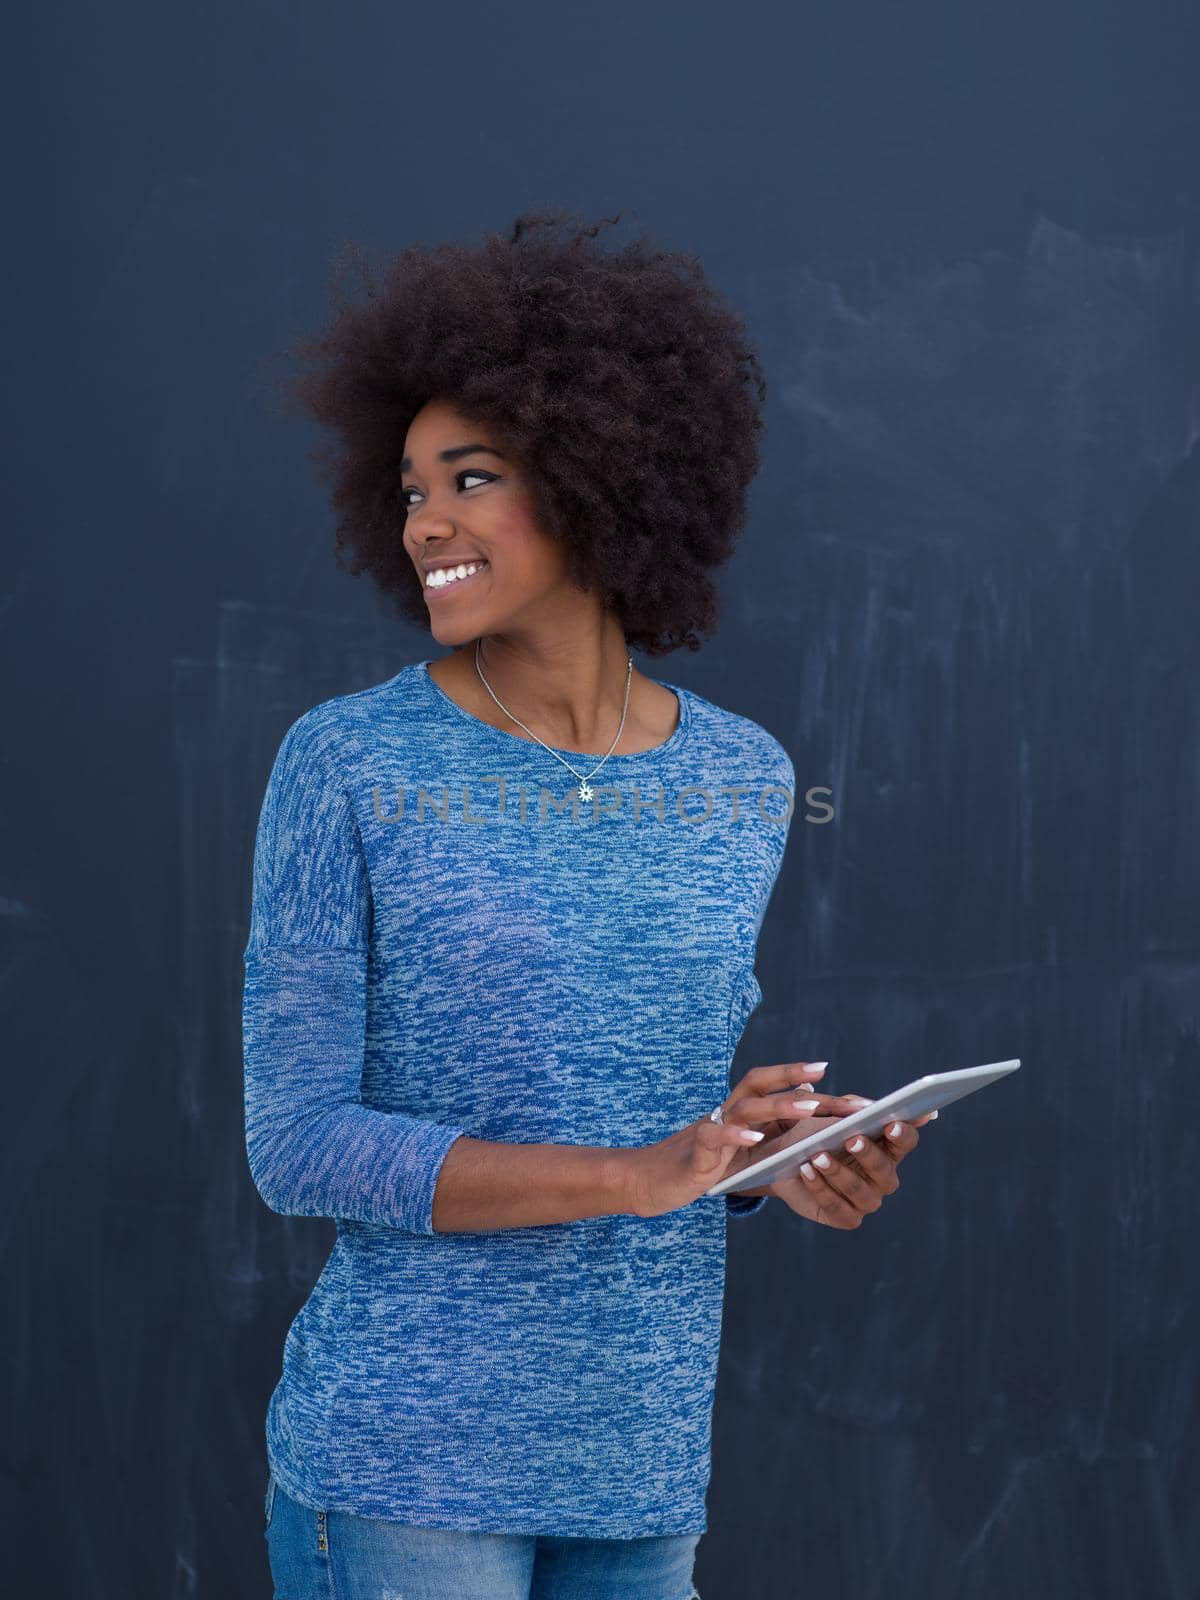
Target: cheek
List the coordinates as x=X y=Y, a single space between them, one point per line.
x=531 y=559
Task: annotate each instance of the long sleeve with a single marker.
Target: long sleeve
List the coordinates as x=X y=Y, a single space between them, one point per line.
x=744 y=1205
x=314 y=1149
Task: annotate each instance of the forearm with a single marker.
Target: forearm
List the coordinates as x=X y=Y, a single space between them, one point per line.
x=484 y=1185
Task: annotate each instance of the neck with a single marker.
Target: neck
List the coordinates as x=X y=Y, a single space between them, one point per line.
x=572 y=695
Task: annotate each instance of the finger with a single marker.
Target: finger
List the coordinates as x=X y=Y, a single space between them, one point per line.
x=901 y=1138
x=874 y=1161
x=788 y=1104
x=785 y=1074
x=842 y=1176
x=839 y=1105
x=836 y=1211
x=717 y=1142
x=789 y=1109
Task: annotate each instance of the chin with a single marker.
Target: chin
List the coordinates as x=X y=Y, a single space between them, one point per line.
x=457 y=636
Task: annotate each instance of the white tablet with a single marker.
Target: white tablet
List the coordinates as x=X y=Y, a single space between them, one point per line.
x=790 y=1150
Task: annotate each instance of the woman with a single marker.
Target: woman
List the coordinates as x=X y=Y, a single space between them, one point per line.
x=505 y=912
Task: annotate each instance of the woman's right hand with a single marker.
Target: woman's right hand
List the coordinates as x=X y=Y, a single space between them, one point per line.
x=675 y=1171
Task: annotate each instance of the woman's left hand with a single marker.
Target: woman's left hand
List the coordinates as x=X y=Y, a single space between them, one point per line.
x=854 y=1183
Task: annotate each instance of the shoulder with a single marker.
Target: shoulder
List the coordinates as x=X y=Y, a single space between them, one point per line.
x=743 y=739
x=328 y=739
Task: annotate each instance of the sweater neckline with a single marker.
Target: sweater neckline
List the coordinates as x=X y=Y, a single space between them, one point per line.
x=449 y=708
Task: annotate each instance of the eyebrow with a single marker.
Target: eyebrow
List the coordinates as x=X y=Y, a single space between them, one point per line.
x=456 y=453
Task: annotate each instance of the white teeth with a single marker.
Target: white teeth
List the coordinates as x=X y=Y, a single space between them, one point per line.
x=441 y=576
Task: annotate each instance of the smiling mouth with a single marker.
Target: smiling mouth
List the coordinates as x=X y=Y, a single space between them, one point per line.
x=441 y=587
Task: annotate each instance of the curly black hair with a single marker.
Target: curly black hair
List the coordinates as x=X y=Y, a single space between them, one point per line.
x=618 y=380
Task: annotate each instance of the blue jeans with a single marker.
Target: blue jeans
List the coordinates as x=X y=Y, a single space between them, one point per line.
x=335 y=1555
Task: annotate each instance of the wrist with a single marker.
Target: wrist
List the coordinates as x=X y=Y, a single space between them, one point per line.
x=620 y=1181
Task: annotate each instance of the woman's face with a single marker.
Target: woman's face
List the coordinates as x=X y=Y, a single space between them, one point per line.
x=477 y=507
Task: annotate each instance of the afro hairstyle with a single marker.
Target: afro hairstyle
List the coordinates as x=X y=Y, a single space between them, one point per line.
x=618 y=380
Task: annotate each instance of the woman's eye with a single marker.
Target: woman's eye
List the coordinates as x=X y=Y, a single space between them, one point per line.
x=484 y=477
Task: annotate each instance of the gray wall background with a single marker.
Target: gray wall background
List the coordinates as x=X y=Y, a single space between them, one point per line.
x=965 y=237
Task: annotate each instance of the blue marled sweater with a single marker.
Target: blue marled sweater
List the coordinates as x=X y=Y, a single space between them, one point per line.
x=443 y=942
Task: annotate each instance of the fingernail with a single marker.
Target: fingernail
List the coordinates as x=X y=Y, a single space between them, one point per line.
x=933 y=1116
x=808 y=1173
x=894 y=1131
x=809 y=1103
x=822 y=1161
x=750 y=1135
x=857 y=1144
x=817 y=1066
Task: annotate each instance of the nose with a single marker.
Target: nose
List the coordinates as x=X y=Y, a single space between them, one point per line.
x=422 y=521
x=425 y=535
x=426 y=548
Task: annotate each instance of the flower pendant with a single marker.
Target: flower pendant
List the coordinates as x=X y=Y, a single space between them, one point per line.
x=585 y=790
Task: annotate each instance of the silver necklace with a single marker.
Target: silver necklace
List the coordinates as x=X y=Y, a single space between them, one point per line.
x=585 y=789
